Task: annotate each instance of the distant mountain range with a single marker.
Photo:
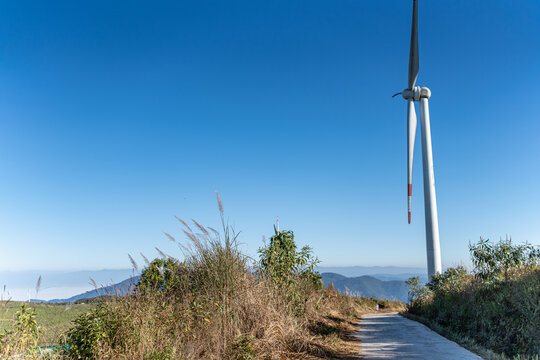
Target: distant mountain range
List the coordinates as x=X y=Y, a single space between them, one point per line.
x=385 y=273
x=121 y=289
x=367 y=286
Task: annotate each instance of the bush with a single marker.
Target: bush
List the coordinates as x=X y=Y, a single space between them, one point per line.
x=289 y=269
x=452 y=280
x=416 y=291
x=162 y=275
x=92 y=330
x=497 y=306
x=26 y=327
x=494 y=261
x=24 y=337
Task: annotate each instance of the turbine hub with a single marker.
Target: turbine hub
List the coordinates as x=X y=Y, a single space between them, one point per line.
x=416 y=93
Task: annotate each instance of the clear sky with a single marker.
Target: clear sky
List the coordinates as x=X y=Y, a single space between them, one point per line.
x=117 y=115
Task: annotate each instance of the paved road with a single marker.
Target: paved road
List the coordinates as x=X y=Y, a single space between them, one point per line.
x=391 y=336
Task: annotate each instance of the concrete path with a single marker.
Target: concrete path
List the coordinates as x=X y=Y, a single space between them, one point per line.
x=391 y=336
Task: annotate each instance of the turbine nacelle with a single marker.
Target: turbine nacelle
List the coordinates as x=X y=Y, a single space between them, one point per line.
x=416 y=93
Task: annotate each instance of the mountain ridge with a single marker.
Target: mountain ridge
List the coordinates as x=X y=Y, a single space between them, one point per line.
x=365 y=285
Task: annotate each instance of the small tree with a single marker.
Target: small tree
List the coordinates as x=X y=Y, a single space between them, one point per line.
x=287 y=268
x=416 y=289
x=27 y=329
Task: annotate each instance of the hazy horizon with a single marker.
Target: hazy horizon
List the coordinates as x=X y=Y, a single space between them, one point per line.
x=20 y=285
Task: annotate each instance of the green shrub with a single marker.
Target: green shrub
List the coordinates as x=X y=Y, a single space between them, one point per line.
x=26 y=327
x=24 y=336
x=498 y=306
x=452 y=280
x=416 y=291
x=162 y=275
x=288 y=269
x=242 y=348
x=91 y=330
x=494 y=261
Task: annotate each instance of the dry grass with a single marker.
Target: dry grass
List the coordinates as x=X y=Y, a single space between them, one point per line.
x=224 y=309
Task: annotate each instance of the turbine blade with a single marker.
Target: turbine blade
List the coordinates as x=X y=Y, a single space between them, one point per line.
x=413 y=56
x=411 y=136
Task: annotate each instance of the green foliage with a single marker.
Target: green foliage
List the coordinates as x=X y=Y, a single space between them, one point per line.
x=91 y=329
x=452 y=280
x=26 y=326
x=416 y=290
x=162 y=275
x=163 y=355
x=242 y=348
x=493 y=261
x=284 y=265
x=498 y=307
x=23 y=336
x=289 y=269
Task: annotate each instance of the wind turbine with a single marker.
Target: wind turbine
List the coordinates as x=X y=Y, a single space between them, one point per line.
x=422 y=94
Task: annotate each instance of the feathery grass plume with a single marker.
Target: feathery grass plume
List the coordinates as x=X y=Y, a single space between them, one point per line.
x=169 y=236
x=201 y=227
x=145 y=260
x=185 y=248
x=133 y=263
x=216 y=233
x=183 y=222
x=192 y=237
x=93 y=282
x=38 y=285
x=220 y=204
x=161 y=253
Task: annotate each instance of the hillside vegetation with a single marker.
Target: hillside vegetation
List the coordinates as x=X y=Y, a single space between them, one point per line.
x=215 y=304
x=496 y=307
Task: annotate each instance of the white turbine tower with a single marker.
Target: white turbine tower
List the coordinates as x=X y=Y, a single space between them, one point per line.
x=422 y=94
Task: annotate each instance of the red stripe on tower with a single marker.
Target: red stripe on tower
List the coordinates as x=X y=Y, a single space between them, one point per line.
x=409 y=217
x=410 y=189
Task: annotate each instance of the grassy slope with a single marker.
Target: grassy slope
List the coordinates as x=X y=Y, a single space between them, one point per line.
x=53 y=319
x=331 y=330
x=492 y=320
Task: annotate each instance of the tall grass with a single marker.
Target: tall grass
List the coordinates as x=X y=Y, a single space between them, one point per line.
x=219 y=307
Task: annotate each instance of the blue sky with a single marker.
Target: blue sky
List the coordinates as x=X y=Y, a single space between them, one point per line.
x=116 y=116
